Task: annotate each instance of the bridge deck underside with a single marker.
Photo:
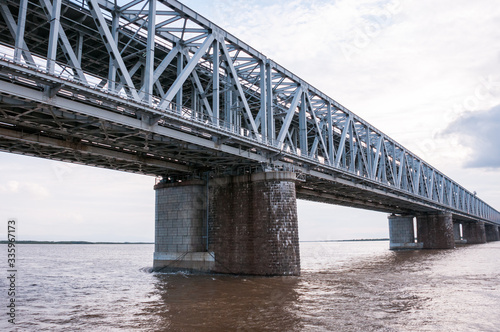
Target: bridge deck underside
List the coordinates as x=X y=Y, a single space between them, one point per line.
x=48 y=131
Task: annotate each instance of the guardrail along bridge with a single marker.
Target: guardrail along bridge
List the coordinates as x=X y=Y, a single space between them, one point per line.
x=153 y=87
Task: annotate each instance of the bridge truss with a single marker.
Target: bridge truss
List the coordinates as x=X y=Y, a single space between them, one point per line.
x=153 y=87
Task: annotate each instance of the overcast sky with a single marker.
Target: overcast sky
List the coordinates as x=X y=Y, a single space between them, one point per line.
x=426 y=73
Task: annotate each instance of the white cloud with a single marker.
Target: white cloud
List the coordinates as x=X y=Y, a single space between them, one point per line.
x=24 y=189
x=13 y=186
x=479 y=132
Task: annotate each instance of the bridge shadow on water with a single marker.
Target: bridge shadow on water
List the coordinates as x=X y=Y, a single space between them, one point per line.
x=227 y=303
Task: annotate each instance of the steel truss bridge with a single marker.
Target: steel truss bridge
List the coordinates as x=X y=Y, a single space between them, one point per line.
x=152 y=87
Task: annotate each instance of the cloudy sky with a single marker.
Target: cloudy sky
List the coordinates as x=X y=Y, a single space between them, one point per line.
x=426 y=73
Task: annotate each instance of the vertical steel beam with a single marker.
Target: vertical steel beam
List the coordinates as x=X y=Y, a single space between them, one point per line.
x=431 y=184
x=236 y=111
x=150 y=54
x=439 y=187
x=352 y=151
x=341 y=149
x=180 y=91
x=369 y=152
x=271 y=127
x=395 y=173
x=228 y=114
x=402 y=168
x=53 y=36
x=416 y=178
x=215 y=83
x=303 y=126
x=263 y=103
x=450 y=193
x=21 y=24
x=331 y=148
x=79 y=49
x=383 y=162
x=404 y=172
x=112 y=67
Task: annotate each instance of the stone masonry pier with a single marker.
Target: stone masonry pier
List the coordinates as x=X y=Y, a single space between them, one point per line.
x=180 y=227
x=492 y=233
x=434 y=231
x=438 y=231
x=402 y=233
x=474 y=232
x=251 y=221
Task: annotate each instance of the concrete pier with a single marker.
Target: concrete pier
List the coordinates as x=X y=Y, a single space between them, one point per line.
x=474 y=232
x=402 y=233
x=435 y=231
x=491 y=233
x=252 y=225
x=180 y=227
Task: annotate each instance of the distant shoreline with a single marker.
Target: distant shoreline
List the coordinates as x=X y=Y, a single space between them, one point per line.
x=90 y=242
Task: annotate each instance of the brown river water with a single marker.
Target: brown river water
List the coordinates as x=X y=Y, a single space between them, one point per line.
x=344 y=286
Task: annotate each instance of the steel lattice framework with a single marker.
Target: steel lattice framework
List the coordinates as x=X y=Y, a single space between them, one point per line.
x=153 y=87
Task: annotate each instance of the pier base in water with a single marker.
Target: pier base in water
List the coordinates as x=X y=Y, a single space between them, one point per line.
x=492 y=233
x=250 y=220
x=180 y=228
x=474 y=232
x=435 y=231
x=402 y=233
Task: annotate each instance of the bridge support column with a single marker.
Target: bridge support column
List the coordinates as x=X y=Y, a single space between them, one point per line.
x=457 y=234
x=491 y=233
x=180 y=227
x=254 y=225
x=435 y=231
x=402 y=233
x=474 y=232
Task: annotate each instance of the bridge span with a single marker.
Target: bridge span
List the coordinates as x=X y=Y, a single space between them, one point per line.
x=153 y=87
